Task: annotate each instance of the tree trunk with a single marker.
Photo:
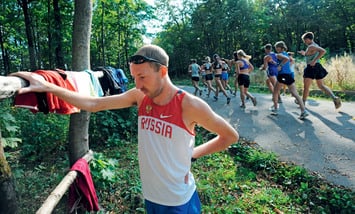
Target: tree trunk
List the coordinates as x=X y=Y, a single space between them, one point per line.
x=58 y=36
x=8 y=201
x=79 y=123
x=102 y=40
x=31 y=47
x=6 y=61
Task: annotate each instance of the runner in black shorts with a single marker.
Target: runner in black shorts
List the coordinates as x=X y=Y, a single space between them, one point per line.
x=217 y=67
x=314 y=69
x=316 y=72
x=285 y=76
x=195 y=70
x=243 y=68
x=207 y=67
x=244 y=80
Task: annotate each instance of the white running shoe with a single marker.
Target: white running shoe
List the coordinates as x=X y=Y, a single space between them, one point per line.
x=273 y=110
x=304 y=115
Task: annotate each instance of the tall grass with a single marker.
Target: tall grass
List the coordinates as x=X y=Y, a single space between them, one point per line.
x=341 y=72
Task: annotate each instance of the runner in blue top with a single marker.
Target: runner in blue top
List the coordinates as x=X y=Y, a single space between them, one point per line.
x=270 y=65
x=243 y=68
x=285 y=76
x=217 y=67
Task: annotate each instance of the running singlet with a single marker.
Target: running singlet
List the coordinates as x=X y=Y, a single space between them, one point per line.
x=245 y=65
x=272 y=67
x=285 y=69
x=217 y=65
x=165 y=148
x=207 y=66
x=310 y=58
x=195 y=70
x=225 y=68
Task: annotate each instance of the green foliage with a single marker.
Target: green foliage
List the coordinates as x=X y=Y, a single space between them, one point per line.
x=303 y=189
x=41 y=134
x=8 y=127
x=104 y=170
x=124 y=195
x=35 y=182
x=214 y=26
x=243 y=179
x=117 y=29
x=112 y=127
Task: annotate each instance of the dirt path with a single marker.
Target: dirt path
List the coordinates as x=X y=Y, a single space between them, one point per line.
x=324 y=142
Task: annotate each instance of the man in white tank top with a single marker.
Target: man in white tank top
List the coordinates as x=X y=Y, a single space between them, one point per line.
x=167 y=117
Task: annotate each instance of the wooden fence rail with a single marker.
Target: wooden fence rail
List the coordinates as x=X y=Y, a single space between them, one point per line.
x=9 y=85
x=51 y=202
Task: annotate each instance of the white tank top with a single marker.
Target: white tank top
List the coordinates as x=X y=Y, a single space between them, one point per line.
x=165 y=148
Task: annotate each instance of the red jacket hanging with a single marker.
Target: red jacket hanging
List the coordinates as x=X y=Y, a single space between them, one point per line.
x=82 y=191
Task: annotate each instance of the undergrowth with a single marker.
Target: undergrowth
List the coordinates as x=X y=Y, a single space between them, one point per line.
x=242 y=179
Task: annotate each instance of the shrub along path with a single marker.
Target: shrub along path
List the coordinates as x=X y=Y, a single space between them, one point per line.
x=323 y=143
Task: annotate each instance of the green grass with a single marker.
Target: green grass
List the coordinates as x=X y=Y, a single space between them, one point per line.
x=242 y=179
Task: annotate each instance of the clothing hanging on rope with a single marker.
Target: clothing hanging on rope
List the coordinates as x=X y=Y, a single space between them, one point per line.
x=82 y=191
x=47 y=102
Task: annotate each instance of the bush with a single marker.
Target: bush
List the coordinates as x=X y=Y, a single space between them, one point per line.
x=42 y=134
x=9 y=128
x=111 y=127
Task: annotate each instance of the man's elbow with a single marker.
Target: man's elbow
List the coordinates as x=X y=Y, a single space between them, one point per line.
x=234 y=138
x=231 y=139
x=92 y=106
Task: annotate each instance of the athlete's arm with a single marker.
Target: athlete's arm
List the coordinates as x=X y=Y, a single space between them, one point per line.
x=92 y=104
x=237 y=67
x=284 y=59
x=190 y=68
x=315 y=49
x=265 y=64
x=198 y=112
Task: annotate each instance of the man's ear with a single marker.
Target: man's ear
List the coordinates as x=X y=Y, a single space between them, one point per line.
x=164 y=71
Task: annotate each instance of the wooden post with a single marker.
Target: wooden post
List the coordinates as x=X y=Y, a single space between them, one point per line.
x=9 y=85
x=55 y=196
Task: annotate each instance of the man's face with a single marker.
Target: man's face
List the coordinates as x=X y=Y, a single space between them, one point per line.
x=307 y=41
x=278 y=49
x=147 y=79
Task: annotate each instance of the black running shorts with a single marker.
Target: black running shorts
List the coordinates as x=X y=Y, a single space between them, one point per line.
x=244 y=80
x=286 y=79
x=315 y=72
